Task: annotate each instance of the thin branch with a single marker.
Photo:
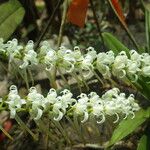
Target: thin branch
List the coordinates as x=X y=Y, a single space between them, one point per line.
x=96 y=21
x=48 y=24
x=65 y=8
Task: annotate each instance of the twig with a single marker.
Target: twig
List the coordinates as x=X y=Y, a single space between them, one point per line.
x=65 y=6
x=48 y=24
x=96 y=21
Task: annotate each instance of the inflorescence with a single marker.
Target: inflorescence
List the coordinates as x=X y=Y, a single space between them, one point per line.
x=107 y=64
x=57 y=106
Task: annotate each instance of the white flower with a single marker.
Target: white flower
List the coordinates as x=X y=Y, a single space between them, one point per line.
x=104 y=60
x=14 y=101
x=51 y=97
x=119 y=65
x=29 y=46
x=58 y=110
x=62 y=103
x=77 y=54
x=112 y=93
x=120 y=61
x=37 y=102
x=66 y=99
x=50 y=59
x=80 y=108
x=146 y=71
x=66 y=59
x=45 y=48
x=13 y=49
x=86 y=65
x=94 y=99
x=29 y=58
x=145 y=58
x=132 y=67
x=98 y=111
x=111 y=109
x=134 y=56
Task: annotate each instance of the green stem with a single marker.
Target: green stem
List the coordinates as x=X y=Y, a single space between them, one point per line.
x=78 y=128
x=84 y=81
x=78 y=81
x=62 y=130
x=52 y=78
x=31 y=76
x=62 y=76
x=26 y=79
x=97 y=76
x=24 y=127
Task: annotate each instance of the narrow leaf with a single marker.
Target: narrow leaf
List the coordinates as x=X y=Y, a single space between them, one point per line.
x=127 y=126
x=25 y=127
x=118 y=9
x=142 y=143
x=11 y=15
x=113 y=43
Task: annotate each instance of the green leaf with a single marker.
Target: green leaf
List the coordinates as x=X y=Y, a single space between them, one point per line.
x=114 y=44
x=128 y=125
x=142 y=143
x=11 y=15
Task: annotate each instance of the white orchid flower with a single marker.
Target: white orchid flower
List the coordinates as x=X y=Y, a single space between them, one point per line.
x=145 y=58
x=29 y=46
x=119 y=65
x=29 y=58
x=87 y=62
x=37 y=102
x=14 y=101
x=13 y=49
x=120 y=61
x=134 y=56
x=146 y=71
x=66 y=99
x=98 y=111
x=66 y=59
x=50 y=59
x=51 y=97
x=94 y=99
x=111 y=109
x=77 y=54
x=81 y=109
x=110 y=94
x=58 y=110
x=104 y=60
x=45 y=48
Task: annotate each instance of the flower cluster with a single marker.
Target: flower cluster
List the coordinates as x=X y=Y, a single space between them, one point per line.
x=111 y=103
x=107 y=64
x=121 y=65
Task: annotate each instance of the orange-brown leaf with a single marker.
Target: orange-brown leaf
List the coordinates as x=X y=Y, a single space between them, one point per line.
x=77 y=12
x=118 y=9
